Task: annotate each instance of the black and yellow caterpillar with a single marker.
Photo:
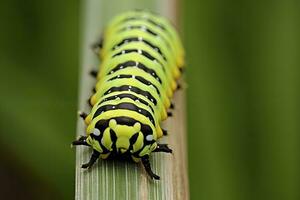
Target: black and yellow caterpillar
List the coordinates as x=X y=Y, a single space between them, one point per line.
x=141 y=60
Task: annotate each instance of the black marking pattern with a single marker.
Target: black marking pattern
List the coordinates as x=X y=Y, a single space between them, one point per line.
x=130 y=96
x=143 y=28
x=146 y=29
x=138 y=65
x=133 y=89
x=142 y=52
x=140 y=39
x=147 y=19
x=125 y=106
x=139 y=78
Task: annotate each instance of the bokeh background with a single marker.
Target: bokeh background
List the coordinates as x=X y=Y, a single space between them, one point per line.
x=242 y=87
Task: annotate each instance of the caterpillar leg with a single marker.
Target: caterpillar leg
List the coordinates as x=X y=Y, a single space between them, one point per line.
x=89 y=102
x=172 y=106
x=170 y=114
x=93 y=159
x=97 y=46
x=165 y=132
x=163 y=148
x=182 y=69
x=94 y=90
x=81 y=141
x=83 y=115
x=94 y=73
x=147 y=166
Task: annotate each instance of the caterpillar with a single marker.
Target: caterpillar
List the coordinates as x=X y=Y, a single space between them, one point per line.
x=141 y=58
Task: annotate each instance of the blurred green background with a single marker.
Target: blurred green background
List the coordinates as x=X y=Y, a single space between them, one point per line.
x=243 y=98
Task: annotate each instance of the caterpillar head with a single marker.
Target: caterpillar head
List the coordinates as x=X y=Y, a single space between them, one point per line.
x=121 y=137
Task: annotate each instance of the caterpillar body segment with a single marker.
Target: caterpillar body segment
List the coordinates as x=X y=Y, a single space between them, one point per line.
x=141 y=60
x=149 y=29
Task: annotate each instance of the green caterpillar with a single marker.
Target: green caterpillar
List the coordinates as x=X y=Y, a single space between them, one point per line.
x=141 y=59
